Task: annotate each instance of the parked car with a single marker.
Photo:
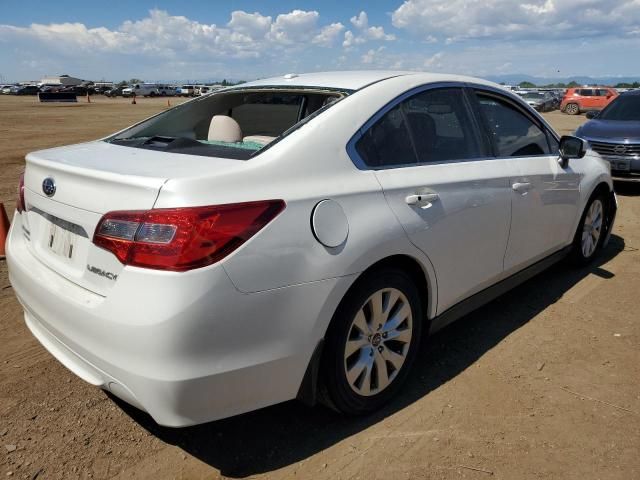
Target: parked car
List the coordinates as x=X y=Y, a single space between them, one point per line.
x=51 y=88
x=102 y=89
x=541 y=101
x=284 y=237
x=578 y=100
x=6 y=89
x=114 y=92
x=141 y=90
x=615 y=134
x=26 y=90
x=187 y=90
x=79 y=90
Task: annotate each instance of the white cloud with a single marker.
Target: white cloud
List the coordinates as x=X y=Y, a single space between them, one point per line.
x=434 y=61
x=364 y=33
x=361 y=21
x=246 y=35
x=458 y=20
x=252 y=25
x=328 y=35
x=297 y=26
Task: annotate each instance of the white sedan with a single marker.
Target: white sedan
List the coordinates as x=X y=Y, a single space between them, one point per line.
x=292 y=237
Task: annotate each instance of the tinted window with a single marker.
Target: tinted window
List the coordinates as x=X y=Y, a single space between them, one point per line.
x=514 y=134
x=440 y=126
x=387 y=142
x=602 y=92
x=586 y=92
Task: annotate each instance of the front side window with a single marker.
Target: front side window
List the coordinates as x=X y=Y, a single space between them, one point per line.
x=514 y=134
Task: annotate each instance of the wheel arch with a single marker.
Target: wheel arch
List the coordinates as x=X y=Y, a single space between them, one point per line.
x=603 y=188
x=309 y=391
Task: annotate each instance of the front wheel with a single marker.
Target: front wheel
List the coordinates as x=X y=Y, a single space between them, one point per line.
x=591 y=231
x=372 y=342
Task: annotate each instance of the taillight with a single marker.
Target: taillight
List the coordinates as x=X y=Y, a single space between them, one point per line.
x=180 y=239
x=20 y=205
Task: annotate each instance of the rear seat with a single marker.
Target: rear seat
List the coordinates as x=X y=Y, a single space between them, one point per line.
x=261 y=139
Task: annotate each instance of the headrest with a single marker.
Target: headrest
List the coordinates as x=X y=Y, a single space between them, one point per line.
x=224 y=129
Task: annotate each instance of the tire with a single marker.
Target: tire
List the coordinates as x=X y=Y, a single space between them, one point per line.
x=364 y=379
x=152 y=94
x=591 y=231
x=572 y=109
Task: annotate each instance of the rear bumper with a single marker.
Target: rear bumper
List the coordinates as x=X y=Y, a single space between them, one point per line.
x=187 y=348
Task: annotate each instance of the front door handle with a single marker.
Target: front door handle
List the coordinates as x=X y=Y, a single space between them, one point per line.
x=422 y=199
x=521 y=187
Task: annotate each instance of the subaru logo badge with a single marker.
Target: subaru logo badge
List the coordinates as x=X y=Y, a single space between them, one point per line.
x=49 y=186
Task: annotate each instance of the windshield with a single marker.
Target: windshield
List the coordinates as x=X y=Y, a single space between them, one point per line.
x=625 y=108
x=533 y=96
x=233 y=124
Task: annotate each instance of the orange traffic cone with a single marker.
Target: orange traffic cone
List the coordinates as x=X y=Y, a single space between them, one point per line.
x=168 y=103
x=4 y=229
x=133 y=102
x=88 y=98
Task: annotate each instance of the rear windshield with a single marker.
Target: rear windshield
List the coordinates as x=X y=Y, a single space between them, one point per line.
x=234 y=124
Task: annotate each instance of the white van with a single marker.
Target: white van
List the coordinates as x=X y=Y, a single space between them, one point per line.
x=141 y=90
x=187 y=91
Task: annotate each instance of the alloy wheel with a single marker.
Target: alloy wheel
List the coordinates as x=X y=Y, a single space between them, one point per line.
x=592 y=228
x=378 y=342
x=572 y=109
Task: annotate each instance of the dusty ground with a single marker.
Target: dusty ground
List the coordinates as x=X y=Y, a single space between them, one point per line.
x=543 y=383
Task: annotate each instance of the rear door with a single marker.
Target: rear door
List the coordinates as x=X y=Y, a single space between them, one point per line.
x=544 y=195
x=589 y=100
x=452 y=201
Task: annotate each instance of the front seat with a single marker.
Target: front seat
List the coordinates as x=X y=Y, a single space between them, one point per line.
x=224 y=129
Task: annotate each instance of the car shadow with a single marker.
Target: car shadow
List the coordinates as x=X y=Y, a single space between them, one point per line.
x=627 y=188
x=284 y=434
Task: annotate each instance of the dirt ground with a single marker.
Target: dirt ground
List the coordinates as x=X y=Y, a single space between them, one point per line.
x=542 y=383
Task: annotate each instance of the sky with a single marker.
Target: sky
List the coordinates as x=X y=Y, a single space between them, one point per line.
x=198 y=40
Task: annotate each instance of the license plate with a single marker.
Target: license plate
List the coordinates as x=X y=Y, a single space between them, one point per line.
x=621 y=165
x=61 y=241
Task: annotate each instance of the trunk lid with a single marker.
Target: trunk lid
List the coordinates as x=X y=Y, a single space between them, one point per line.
x=92 y=179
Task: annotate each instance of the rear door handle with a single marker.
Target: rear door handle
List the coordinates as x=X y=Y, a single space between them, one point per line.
x=521 y=187
x=421 y=199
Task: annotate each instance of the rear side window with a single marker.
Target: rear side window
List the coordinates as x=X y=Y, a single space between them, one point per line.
x=602 y=92
x=387 y=142
x=514 y=134
x=431 y=126
x=441 y=127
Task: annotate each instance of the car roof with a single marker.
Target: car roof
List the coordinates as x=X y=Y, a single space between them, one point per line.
x=352 y=80
x=631 y=92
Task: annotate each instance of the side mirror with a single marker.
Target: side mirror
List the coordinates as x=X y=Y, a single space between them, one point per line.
x=571 y=148
x=592 y=114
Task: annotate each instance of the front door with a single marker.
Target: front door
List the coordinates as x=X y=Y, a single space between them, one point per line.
x=544 y=196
